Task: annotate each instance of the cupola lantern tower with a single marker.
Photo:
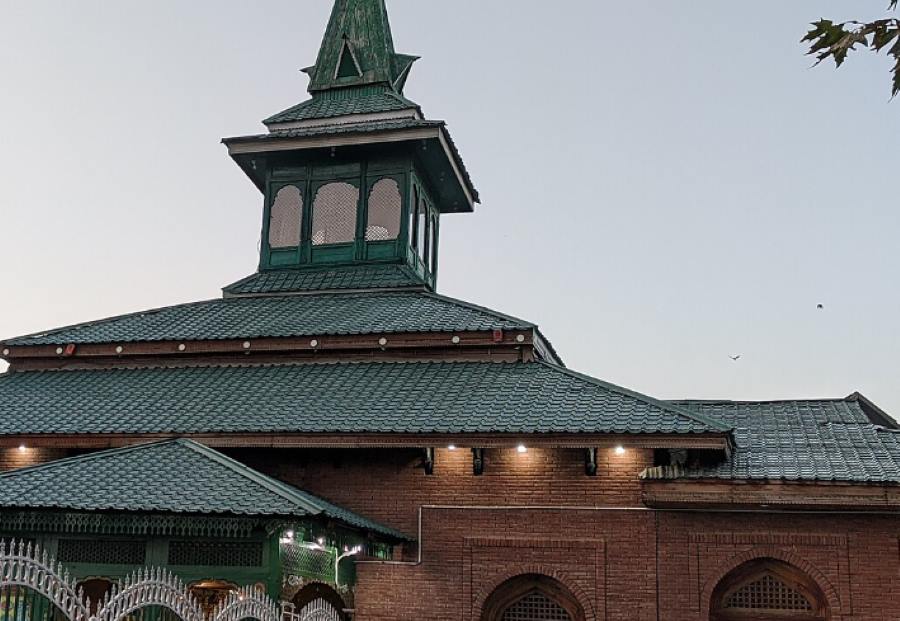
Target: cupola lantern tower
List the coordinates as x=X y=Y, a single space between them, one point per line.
x=355 y=178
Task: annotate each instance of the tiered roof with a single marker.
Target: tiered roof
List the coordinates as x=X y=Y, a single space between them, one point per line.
x=285 y=316
x=834 y=440
x=349 y=398
x=178 y=476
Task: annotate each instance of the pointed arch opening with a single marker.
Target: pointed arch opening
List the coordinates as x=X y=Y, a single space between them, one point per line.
x=532 y=597
x=768 y=590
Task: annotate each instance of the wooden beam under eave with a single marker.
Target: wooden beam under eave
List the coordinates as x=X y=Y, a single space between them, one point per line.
x=446 y=342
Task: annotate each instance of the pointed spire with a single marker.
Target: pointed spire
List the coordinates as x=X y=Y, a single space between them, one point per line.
x=358 y=49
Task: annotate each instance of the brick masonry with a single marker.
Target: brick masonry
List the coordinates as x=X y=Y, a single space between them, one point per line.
x=539 y=513
x=15 y=458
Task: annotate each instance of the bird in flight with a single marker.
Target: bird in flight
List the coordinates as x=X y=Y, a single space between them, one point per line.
x=820 y=306
x=735 y=358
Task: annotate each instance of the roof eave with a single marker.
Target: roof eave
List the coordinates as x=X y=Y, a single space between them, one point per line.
x=372 y=440
x=247 y=150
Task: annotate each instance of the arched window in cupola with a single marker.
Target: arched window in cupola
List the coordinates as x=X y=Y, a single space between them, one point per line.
x=334 y=214
x=422 y=229
x=414 y=221
x=286 y=218
x=385 y=206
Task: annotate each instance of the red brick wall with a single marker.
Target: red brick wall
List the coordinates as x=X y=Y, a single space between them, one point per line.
x=389 y=486
x=621 y=562
x=14 y=458
x=855 y=560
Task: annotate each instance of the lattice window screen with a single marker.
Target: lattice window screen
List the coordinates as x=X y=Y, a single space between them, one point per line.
x=536 y=607
x=334 y=214
x=422 y=231
x=286 y=218
x=414 y=221
x=767 y=593
x=101 y=552
x=385 y=206
x=216 y=554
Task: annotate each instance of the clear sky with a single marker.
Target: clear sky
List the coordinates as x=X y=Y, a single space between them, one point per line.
x=664 y=184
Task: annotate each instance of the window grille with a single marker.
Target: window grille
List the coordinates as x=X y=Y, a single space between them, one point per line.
x=767 y=593
x=536 y=607
x=422 y=230
x=334 y=214
x=216 y=553
x=385 y=206
x=303 y=561
x=414 y=221
x=107 y=552
x=286 y=218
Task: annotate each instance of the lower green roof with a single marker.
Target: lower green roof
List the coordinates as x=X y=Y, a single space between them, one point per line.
x=351 y=398
x=834 y=440
x=178 y=476
x=328 y=279
x=355 y=101
x=286 y=316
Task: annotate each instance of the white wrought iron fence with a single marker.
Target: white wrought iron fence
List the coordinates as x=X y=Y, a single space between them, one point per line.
x=316 y=610
x=34 y=587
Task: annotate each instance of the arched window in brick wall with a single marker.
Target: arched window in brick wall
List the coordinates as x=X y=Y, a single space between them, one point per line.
x=768 y=590
x=532 y=597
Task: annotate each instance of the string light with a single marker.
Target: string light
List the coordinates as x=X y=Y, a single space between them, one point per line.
x=522 y=448
x=22 y=448
x=620 y=450
x=452 y=447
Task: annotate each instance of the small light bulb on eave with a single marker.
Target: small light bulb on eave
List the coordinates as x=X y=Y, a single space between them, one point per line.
x=452 y=447
x=522 y=448
x=620 y=450
x=22 y=448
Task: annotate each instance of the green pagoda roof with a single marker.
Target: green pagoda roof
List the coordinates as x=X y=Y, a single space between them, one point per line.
x=178 y=476
x=357 y=71
x=346 y=102
x=841 y=440
x=359 y=38
x=354 y=277
x=286 y=316
x=352 y=398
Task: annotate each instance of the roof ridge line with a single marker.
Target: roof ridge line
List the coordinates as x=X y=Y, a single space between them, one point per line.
x=483 y=309
x=759 y=401
x=273 y=485
x=85 y=457
x=699 y=418
x=96 y=322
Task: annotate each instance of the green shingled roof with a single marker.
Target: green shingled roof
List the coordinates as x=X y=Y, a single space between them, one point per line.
x=286 y=317
x=823 y=440
x=331 y=279
x=334 y=130
x=178 y=476
x=355 y=398
x=347 y=101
